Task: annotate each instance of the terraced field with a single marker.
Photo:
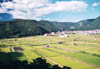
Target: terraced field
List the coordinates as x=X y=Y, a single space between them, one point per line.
x=76 y=51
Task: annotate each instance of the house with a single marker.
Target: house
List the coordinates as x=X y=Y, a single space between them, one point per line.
x=47 y=34
x=46 y=46
x=18 y=49
x=52 y=33
x=63 y=35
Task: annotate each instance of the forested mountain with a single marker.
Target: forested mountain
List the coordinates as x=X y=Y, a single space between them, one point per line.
x=89 y=24
x=21 y=28
x=96 y=23
x=84 y=24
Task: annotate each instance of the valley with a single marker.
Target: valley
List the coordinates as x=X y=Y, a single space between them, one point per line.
x=84 y=54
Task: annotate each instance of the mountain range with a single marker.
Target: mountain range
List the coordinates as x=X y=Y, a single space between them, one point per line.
x=22 y=28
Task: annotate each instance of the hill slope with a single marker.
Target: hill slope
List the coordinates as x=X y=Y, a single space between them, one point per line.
x=21 y=28
x=89 y=24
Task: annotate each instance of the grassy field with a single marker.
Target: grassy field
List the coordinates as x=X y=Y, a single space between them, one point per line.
x=76 y=51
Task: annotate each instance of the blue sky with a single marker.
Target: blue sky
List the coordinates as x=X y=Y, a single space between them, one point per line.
x=52 y=10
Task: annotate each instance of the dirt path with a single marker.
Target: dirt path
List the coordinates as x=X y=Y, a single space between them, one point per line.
x=67 y=49
x=53 y=61
x=81 y=61
x=75 y=59
x=72 y=59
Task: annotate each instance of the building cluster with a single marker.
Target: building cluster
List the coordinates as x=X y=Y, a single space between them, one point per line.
x=82 y=32
x=60 y=34
x=65 y=33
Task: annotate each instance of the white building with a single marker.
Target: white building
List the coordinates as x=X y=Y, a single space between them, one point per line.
x=63 y=35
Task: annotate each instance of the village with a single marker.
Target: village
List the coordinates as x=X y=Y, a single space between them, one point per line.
x=66 y=33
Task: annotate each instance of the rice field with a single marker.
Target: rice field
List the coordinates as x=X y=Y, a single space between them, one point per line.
x=76 y=51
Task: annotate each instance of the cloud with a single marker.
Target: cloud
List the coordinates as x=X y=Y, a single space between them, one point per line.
x=95 y=4
x=62 y=6
x=34 y=9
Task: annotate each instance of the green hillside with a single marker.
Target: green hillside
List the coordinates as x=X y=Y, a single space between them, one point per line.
x=22 y=28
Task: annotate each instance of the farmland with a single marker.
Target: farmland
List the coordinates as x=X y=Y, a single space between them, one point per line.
x=76 y=51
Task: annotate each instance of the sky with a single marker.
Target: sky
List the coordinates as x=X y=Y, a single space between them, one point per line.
x=52 y=10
